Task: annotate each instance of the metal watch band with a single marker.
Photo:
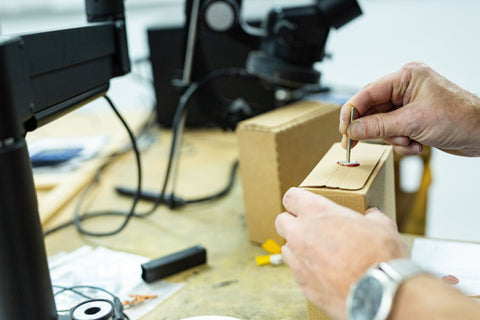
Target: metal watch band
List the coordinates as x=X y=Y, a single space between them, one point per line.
x=400 y=269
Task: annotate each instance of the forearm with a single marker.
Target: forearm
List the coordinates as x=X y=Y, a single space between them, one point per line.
x=425 y=297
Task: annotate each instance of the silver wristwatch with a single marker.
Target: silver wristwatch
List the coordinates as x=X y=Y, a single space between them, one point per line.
x=371 y=297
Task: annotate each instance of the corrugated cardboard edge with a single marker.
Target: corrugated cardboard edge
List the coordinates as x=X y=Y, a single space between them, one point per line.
x=257 y=123
x=387 y=169
x=322 y=110
x=249 y=164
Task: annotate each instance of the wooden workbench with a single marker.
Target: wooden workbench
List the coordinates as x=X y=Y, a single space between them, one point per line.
x=231 y=284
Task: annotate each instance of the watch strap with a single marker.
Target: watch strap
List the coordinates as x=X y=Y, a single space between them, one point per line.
x=400 y=269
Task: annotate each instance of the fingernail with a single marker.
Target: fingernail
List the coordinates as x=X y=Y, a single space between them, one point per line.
x=374 y=209
x=288 y=193
x=292 y=189
x=417 y=149
x=344 y=118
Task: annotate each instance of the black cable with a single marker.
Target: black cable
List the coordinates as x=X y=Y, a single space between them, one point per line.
x=176 y=202
x=180 y=113
x=72 y=289
x=222 y=193
x=77 y=218
x=162 y=198
x=76 y=215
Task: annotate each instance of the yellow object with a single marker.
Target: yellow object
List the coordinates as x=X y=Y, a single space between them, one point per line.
x=412 y=206
x=274 y=259
x=262 y=260
x=271 y=246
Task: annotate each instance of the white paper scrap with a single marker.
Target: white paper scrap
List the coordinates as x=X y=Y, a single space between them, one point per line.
x=88 y=148
x=117 y=272
x=459 y=261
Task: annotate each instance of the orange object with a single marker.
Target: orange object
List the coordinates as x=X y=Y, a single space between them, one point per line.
x=137 y=298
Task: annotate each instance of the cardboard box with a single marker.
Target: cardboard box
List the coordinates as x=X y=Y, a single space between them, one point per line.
x=359 y=188
x=371 y=184
x=277 y=150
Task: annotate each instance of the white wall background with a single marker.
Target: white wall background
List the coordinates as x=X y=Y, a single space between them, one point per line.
x=442 y=33
x=445 y=35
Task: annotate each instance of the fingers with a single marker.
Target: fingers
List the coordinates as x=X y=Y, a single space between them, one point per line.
x=287 y=227
x=371 y=212
x=412 y=149
x=353 y=143
x=284 y=224
x=298 y=201
x=377 y=216
x=403 y=122
x=383 y=95
x=345 y=114
x=398 y=141
x=287 y=255
x=404 y=145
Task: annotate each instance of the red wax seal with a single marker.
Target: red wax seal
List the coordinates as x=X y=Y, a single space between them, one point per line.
x=345 y=163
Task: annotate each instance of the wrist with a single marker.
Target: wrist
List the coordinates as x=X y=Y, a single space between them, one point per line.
x=427 y=297
x=470 y=122
x=372 y=296
x=410 y=293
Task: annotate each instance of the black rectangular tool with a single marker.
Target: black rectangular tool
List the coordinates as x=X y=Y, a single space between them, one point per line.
x=173 y=263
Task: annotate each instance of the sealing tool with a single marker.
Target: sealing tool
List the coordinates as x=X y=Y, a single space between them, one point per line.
x=348 y=162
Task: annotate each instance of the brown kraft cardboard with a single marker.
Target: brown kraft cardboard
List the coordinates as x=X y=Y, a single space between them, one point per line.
x=277 y=150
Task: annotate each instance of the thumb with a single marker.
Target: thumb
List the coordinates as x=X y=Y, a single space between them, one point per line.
x=378 y=126
x=374 y=211
x=376 y=214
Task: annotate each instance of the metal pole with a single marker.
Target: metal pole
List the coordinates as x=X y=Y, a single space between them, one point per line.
x=192 y=37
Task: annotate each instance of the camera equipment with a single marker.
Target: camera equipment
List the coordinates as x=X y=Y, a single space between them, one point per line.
x=279 y=51
x=42 y=77
x=295 y=39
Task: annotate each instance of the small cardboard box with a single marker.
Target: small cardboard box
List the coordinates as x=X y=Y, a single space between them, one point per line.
x=277 y=150
x=371 y=184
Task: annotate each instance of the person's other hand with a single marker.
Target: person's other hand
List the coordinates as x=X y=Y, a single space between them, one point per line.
x=329 y=246
x=412 y=107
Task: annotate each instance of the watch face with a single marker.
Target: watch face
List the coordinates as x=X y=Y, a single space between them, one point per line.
x=366 y=299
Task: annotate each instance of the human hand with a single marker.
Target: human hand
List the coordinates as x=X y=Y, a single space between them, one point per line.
x=329 y=246
x=412 y=107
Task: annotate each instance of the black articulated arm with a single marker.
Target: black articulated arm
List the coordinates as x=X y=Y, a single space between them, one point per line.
x=42 y=77
x=46 y=74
